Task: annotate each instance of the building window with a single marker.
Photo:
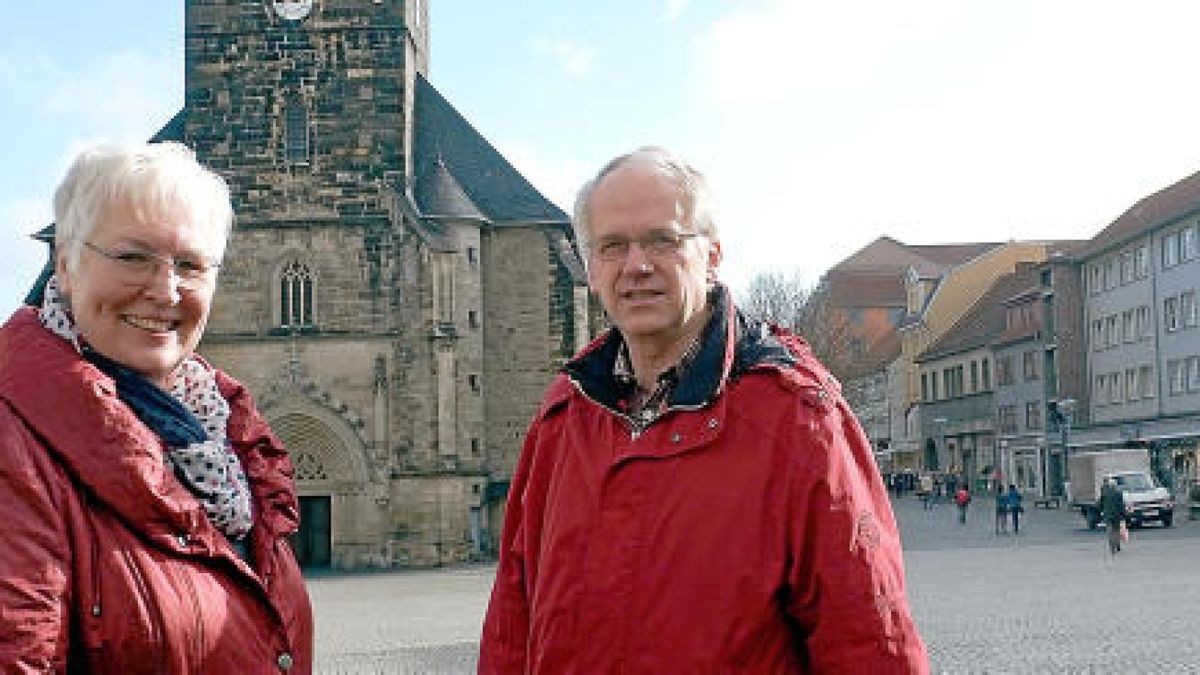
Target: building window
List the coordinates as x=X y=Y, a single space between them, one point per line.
x=1004 y=370
x=1187 y=309
x=474 y=447
x=1143 y=321
x=1171 y=314
x=1114 y=388
x=472 y=256
x=1126 y=267
x=1131 y=384
x=1095 y=284
x=1146 y=382
x=296 y=295
x=1176 y=376
x=1170 y=250
x=1127 y=327
x=986 y=374
x=1194 y=373
x=295 y=126
x=1007 y=421
x=473 y=382
x=1141 y=261
x=1029 y=364
x=473 y=319
x=1187 y=244
x=1033 y=415
x=1098 y=335
x=974 y=377
x=925 y=387
x=1110 y=274
x=1098 y=389
x=1110 y=331
x=933 y=386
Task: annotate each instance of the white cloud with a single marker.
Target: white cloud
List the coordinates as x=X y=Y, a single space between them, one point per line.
x=572 y=58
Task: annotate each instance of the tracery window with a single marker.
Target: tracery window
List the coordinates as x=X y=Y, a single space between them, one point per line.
x=296 y=295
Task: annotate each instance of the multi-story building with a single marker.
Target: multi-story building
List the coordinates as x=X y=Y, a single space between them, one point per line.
x=1142 y=274
x=968 y=402
x=936 y=303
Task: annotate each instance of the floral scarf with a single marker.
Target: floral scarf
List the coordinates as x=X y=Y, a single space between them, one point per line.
x=191 y=420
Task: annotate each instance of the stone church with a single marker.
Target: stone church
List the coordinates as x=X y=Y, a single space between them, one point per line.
x=395 y=294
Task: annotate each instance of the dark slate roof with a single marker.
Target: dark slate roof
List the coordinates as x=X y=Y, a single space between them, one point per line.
x=439 y=195
x=987 y=318
x=497 y=190
x=1168 y=204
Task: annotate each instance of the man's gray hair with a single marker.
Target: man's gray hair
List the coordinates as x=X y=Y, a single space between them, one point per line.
x=157 y=181
x=698 y=202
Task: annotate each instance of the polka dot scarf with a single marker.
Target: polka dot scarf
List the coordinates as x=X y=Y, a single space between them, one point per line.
x=191 y=420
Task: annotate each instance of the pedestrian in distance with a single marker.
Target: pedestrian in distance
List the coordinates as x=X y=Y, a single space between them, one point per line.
x=694 y=494
x=1112 y=512
x=1015 y=507
x=146 y=502
x=1001 y=511
x=962 y=499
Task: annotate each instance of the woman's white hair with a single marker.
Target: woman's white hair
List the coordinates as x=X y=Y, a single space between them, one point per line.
x=156 y=181
x=698 y=202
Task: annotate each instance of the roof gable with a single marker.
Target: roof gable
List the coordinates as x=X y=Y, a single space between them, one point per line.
x=444 y=141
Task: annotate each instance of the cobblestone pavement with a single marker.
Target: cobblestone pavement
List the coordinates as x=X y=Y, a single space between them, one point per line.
x=1049 y=600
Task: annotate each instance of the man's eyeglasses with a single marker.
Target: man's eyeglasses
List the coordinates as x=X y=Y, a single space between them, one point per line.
x=658 y=244
x=137 y=267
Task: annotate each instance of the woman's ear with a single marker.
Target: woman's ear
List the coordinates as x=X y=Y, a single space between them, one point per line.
x=62 y=272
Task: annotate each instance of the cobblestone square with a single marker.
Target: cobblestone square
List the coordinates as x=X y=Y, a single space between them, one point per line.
x=1049 y=600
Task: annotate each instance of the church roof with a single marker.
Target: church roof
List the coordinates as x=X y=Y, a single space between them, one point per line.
x=439 y=194
x=446 y=142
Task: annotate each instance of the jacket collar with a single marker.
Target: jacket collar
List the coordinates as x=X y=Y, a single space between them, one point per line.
x=106 y=450
x=730 y=344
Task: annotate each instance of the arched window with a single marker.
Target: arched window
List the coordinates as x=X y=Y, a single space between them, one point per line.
x=296 y=296
x=295 y=129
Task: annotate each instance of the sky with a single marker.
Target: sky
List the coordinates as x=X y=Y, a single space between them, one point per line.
x=821 y=125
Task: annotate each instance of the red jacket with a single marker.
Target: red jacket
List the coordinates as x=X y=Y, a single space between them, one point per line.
x=746 y=531
x=109 y=565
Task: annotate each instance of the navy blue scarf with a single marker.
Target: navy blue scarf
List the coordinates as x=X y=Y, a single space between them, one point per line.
x=157 y=409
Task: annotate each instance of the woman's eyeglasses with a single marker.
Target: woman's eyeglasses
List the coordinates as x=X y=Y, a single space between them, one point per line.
x=137 y=266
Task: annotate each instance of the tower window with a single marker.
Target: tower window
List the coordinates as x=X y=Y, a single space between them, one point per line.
x=296 y=295
x=295 y=123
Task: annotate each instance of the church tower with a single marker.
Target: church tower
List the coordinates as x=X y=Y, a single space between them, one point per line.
x=395 y=294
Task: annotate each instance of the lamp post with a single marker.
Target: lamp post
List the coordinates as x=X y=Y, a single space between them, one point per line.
x=941 y=425
x=1066 y=408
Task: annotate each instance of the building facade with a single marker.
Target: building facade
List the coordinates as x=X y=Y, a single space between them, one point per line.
x=1142 y=274
x=395 y=295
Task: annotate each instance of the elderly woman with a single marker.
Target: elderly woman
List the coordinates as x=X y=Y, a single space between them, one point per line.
x=145 y=502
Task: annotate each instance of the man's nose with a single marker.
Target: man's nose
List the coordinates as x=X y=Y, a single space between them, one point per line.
x=637 y=259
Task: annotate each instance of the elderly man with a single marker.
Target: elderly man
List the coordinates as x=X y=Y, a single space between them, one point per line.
x=694 y=495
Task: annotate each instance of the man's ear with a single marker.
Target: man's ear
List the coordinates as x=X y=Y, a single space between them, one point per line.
x=715 y=256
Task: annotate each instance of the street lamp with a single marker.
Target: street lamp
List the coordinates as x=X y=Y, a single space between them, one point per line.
x=1066 y=409
x=941 y=425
